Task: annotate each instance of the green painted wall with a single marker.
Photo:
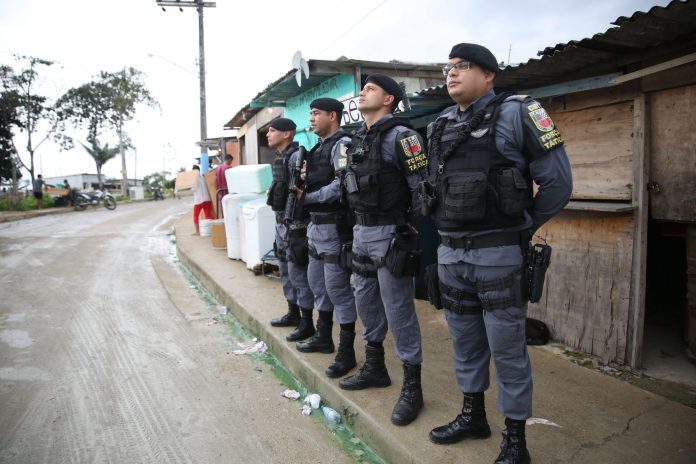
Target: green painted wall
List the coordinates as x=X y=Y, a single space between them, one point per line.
x=297 y=108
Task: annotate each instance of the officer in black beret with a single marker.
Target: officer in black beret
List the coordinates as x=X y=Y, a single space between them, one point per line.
x=386 y=161
x=485 y=152
x=330 y=231
x=293 y=271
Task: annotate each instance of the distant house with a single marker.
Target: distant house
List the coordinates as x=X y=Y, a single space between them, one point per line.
x=87 y=181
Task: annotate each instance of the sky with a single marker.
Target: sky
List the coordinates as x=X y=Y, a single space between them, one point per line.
x=248 y=45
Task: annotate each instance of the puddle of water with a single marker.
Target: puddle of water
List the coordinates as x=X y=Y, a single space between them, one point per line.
x=23 y=373
x=16 y=338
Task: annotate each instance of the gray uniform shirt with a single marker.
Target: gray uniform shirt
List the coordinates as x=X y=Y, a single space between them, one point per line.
x=551 y=173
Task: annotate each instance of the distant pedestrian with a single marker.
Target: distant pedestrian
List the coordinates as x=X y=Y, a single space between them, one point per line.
x=38 y=186
x=69 y=195
x=221 y=180
x=201 y=201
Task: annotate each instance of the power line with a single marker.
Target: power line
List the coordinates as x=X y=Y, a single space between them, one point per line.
x=352 y=27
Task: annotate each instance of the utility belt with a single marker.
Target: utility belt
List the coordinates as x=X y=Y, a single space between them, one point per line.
x=380 y=219
x=333 y=218
x=462 y=301
x=343 y=221
x=483 y=241
x=343 y=259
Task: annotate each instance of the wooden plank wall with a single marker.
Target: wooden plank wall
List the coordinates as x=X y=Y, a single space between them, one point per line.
x=673 y=154
x=691 y=287
x=587 y=290
x=600 y=147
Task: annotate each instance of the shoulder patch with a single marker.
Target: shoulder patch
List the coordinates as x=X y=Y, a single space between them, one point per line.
x=413 y=157
x=540 y=117
x=341 y=161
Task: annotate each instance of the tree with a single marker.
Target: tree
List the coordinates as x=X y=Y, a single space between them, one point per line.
x=154 y=180
x=9 y=100
x=32 y=109
x=127 y=91
x=100 y=155
x=87 y=105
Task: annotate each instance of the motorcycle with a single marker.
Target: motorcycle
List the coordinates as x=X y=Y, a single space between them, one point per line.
x=83 y=199
x=157 y=194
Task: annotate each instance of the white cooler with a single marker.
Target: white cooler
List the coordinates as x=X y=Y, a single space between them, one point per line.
x=249 y=178
x=231 y=209
x=258 y=230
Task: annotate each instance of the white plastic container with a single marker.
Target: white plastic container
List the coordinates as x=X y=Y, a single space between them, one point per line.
x=233 y=217
x=249 y=178
x=204 y=225
x=259 y=231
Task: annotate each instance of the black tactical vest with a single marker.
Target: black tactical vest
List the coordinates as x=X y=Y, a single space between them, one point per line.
x=320 y=171
x=278 y=193
x=382 y=188
x=477 y=188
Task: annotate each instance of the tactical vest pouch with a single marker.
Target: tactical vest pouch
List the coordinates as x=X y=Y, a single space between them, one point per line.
x=298 y=246
x=298 y=251
x=426 y=191
x=538 y=260
x=433 y=285
x=465 y=196
x=404 y=255
x=345 y=258
x=512 y=188
x=277 y=195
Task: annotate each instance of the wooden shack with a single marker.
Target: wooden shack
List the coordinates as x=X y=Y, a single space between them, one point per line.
x=625 y=247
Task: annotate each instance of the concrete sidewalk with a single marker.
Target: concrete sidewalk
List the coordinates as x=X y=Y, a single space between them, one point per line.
x=600 y=419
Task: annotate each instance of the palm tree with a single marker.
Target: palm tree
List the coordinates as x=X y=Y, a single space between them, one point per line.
x=100 y=154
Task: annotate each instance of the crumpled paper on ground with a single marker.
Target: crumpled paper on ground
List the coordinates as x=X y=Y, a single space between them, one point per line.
x=255 y=346
x=540 y=421
x=292 y=394
x=306 y=410
x=313 y=400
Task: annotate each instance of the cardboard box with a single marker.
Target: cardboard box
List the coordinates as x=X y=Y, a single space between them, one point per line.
x=218 y=237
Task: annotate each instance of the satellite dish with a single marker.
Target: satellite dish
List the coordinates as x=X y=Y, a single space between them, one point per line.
x=301 y=65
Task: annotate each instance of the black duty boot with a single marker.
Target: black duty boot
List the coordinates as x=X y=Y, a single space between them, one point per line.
x=345 y=358
x=372 y=374
x=471 y=423
x=513 y=448
x=290 y=319
x=322 y=340
x=411 y=398
x=305 y=328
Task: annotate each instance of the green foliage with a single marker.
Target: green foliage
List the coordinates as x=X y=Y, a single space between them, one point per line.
x=9 y=101
x=100 y=155
x=154 y=180
x=32 y=109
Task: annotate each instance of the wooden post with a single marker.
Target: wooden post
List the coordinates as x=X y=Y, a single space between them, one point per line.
x=641 y=175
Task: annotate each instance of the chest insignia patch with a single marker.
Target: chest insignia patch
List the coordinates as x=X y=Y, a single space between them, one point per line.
x=477 y=134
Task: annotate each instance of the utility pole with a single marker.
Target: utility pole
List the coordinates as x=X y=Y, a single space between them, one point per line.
x=199 y=5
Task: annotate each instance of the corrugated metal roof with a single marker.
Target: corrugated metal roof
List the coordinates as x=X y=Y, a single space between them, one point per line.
x=608 y=52
x=279 y=91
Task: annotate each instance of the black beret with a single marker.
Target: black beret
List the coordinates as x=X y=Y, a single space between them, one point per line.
x=327 y=104
x=476 y=54
x=388 y=84
x=283 y=124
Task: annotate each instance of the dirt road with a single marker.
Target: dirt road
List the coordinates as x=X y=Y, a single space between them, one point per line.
x=108 y=355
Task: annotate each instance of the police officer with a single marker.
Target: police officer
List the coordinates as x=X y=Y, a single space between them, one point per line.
x=329 y=230
x=386 y=161
x=485 y=151
x=293 y=271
